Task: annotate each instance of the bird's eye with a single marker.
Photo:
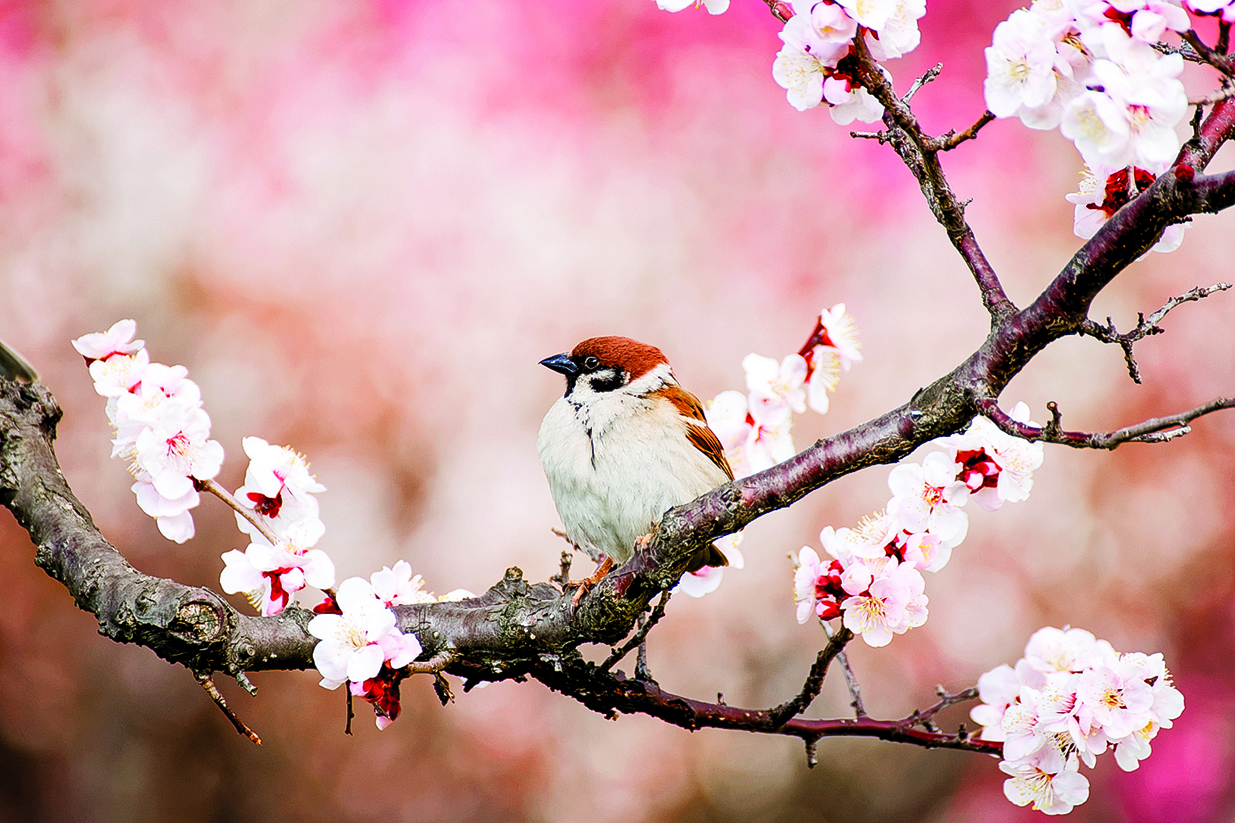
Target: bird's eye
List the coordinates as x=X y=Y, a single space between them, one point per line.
x=590 y=363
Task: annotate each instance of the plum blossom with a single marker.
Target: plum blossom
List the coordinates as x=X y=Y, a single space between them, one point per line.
x=268 y=575
x=278 y=487
x=995 y=466
x=1020 y=65
x=119 y=374
x=355 y=644
x=397 y=586
x=772 y=382
x=1050 y=783
x=891 y=603
x=1067 y=701
x=928 y=497
x=1104 y=191
x=116 y=340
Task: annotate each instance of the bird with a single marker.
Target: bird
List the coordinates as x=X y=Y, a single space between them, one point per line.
x=622 y=446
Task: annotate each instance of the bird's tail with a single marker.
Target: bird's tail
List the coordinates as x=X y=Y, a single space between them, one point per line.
x=14 y=367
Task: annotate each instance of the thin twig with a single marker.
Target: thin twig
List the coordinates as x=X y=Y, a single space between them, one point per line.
x=1208 y=55
x=1145 y=326
x=1155 y=430
x=434 y=664
x=951 y=139
x=945 y=700
x=637 y=639
x=930 y=75
x=207 y=683
x=240 y=509
x=1225 y=93
x=814 y=680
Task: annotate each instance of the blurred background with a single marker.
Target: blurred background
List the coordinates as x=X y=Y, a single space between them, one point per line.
x=361 y=224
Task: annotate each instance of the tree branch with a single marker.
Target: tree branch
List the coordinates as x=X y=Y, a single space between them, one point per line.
x=1156 y=430
x=1145 y=326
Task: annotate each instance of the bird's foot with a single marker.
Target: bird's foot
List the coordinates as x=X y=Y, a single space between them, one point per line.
x=587 y=583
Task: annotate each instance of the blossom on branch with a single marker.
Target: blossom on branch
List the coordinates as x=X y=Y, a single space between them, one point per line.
x=1068 y=700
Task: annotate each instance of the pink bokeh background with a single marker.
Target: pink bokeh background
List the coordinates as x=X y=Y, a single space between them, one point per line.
x=361 y=224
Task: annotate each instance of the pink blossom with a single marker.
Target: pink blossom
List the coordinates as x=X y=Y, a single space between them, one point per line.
x=356 y=644
x=707 y=579
x=893 y=603
x=1052 y=784
x=928 y=497
x=116 y=340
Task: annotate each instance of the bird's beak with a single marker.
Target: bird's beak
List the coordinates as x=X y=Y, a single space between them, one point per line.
x=561 y=363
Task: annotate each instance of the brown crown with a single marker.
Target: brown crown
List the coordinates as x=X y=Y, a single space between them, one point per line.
x=636 y=358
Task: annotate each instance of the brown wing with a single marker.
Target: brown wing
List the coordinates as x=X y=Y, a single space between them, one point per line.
x=700 y=436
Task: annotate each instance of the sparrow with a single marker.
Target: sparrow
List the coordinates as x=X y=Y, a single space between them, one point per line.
x=622 y=446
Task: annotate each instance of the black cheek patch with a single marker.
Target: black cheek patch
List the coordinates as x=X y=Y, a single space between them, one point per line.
x=607 y=380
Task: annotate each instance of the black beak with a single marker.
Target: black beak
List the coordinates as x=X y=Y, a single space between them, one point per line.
x=562 y=364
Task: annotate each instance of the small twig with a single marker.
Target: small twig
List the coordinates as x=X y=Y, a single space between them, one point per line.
x=945 y=700
x=951 y=139
x=1145 y=326
x=814 y=680
x=881 y=136
x=641 y=635
x=1225 y=93
x=1208 y=55
x=1224 y=38
x=644 y=674
x=240 y=509
x=434 y=664
x=207 y=683
x=562 y=578
x=930 y=75
x=1155 y=430
x=851 y=682
x=351 y=712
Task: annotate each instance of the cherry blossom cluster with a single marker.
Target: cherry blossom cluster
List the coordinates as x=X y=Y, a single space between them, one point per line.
x=1095 y=70
x=360 y=643
x=160 y=427
x=816 y=63
x=874 y=580
x=283 y=525
x=756 y=428
x=163 y=432
x=1068 y=700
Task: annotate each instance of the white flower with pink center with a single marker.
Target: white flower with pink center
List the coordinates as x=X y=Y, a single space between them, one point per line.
x=776 y=383
x=728 y=417
x=1103 y=191
x=997 y=689
x=899 y=33
x=397 y=586
x=1053 y=650
x=830 y=21
x=928 y=497
x=1113 y=698
x=116 y=340
x=1050 y=783
x=175 y=451
x=994 y=466
x=892 y=604
x=850 y=102
x=354 y=645
x=1020 y=65
x=268 y=576
x=119 y=374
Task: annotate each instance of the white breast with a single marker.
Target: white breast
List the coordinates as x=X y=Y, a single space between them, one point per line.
x=616 y=465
